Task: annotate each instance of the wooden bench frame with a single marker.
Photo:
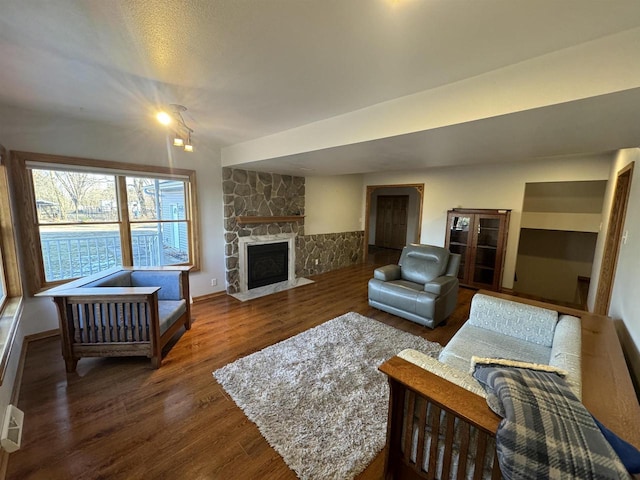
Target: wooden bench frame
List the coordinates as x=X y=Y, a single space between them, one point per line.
x=607 y=392
x=129 y=316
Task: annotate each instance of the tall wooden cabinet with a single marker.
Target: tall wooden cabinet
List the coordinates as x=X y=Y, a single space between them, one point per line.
x=480 y=236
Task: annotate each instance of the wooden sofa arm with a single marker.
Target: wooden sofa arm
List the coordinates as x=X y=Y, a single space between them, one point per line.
x=467 y=405
x=108 y=293
x=427 y=410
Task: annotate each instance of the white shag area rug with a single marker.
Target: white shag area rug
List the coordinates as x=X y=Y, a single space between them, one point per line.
x=318 y=397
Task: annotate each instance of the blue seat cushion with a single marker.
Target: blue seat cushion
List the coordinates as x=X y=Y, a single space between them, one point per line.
x=169 y=312
x=481 y=342
x=168 y=281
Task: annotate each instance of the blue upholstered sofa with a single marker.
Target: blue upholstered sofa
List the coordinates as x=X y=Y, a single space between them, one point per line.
x=123 y=311
x=499 y=328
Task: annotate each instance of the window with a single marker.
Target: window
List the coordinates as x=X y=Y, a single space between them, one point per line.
x=78 y=222
x=158 y=213
x=89 y=216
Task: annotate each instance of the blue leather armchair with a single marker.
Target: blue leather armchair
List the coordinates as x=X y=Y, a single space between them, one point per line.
x=423 y=287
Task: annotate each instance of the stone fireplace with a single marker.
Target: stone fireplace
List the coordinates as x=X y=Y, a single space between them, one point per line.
x=266 y=207
x=277 y=203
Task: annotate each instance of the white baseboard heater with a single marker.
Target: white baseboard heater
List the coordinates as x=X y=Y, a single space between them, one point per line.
x=11 y=435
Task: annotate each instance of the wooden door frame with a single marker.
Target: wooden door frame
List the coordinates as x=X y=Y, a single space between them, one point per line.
x=611 y=246
x=419 y=187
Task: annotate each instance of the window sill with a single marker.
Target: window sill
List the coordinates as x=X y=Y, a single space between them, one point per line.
x=9 y=318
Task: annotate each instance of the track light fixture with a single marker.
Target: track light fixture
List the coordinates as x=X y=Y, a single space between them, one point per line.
x=188 y=147
x=181 y=131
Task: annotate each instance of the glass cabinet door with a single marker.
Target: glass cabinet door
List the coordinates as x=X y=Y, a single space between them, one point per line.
x=459 y=239
x=484 y=268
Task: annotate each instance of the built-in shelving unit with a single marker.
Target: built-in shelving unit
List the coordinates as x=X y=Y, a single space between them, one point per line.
x=246 y=220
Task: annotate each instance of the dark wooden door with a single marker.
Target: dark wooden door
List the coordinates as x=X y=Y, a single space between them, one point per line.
x=391 y=221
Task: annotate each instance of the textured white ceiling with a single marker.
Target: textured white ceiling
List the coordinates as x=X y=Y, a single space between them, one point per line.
x=250 y=68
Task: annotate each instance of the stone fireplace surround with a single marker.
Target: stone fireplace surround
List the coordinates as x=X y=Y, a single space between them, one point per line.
x=249 y=193
x=245 y=242
x=292 y=281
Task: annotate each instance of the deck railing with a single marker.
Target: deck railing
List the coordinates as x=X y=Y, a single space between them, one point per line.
x=73 y=255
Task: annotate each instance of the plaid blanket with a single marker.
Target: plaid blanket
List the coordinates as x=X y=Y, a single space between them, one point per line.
x=545 y=432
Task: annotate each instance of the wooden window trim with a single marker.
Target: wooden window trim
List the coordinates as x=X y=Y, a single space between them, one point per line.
x=11 y=308
x=21 y=179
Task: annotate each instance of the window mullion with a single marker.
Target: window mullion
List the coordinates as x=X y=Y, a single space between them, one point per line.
x=193 y=226
x=125 y=225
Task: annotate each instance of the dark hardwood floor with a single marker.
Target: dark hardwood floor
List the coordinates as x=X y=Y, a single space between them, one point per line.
x=120 y=419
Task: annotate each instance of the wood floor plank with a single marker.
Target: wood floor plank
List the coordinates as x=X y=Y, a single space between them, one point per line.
x=120 y=419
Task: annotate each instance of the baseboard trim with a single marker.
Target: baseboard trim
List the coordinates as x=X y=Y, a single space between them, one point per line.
x=210 y=296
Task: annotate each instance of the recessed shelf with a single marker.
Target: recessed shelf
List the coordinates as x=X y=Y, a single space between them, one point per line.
x=571 y=222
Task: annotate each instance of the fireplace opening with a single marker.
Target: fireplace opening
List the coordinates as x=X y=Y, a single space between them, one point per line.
x=267 y=263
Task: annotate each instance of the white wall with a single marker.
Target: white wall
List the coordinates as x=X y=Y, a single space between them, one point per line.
x=145 y=144
x=625 y=298
x=490 y=186
x=333 y=204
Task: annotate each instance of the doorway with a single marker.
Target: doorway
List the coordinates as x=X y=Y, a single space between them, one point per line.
x=612 y=241
x=391 y=223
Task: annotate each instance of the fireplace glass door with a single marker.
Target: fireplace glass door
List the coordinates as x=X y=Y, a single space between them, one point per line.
x=267 y=264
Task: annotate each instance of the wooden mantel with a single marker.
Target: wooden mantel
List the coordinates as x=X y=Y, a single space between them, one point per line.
x=244 y=220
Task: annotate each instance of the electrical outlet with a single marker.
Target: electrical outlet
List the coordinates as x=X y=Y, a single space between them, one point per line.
x=214 y=282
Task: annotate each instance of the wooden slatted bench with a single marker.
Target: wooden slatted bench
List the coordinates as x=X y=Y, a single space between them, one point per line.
x=123 y=311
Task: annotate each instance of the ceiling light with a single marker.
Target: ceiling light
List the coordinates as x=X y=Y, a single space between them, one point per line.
x=164 y=118
x=180 y=129
x=188 y=147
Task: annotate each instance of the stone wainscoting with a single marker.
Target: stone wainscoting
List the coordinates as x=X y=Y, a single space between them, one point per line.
x=331 y=250
x=249 y=193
